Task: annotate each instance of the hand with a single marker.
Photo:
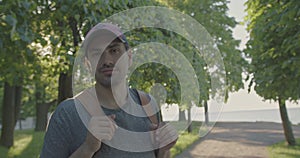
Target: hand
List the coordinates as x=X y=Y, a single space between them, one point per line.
x=165 y=136
x=99 y=128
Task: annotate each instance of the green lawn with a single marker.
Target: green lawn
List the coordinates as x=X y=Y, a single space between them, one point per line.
x=282 y=150
x=28 y=143
x=185 y=139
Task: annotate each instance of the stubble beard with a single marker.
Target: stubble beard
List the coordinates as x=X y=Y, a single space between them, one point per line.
x=109 y=81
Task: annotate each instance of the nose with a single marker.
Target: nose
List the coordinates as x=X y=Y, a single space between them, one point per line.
x=106 y=59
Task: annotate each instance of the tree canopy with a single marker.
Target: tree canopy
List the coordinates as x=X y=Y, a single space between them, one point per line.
x=274 y=51
x=274 y=48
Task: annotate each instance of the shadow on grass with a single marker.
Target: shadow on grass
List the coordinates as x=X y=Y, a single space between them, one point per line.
x=27 y=144
x=3 y=152
x=33 y=149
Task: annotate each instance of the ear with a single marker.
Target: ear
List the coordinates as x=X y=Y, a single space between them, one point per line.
x=129 y=53
x=87 y=64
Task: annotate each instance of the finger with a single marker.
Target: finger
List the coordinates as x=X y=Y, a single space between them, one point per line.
x=103 y=121
x=112 y=118
x=103 y=136
x=169 y=141
x=103 y=133
x=153 y=126
x=167 y=134
x=102 y=124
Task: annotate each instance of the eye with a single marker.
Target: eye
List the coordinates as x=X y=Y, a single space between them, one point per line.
x=115 y=51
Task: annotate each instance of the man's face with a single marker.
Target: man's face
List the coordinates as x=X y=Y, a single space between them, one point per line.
x=109 y=60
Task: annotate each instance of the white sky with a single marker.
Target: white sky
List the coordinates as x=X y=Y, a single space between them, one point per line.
x=243 y=100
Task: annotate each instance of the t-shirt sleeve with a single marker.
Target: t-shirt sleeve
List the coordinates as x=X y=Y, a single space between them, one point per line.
x=57 y=138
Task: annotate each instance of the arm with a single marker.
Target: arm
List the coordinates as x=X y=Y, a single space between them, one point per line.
x=165 y=133
x=166 y=138
x=88 y=148
x=100 y=128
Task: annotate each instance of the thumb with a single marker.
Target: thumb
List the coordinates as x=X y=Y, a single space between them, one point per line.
x=113 y=116
x=153 y=126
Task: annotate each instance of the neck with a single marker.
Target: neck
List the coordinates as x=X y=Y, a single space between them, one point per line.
x=112 y=97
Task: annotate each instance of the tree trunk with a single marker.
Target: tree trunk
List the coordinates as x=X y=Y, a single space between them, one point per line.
x=18 y=102
x=8 y=116
x=42 y=115
x=287 y=127
x=20 y=124
x=206 y=113
x=182 y=115
x=41 y=108
x=190 y=128
x=64 y=87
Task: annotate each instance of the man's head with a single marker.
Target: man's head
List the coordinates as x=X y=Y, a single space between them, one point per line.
x=106 y=50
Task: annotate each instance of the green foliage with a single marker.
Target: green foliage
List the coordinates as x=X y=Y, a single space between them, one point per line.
x=41 y=40
x=282 y=150
x=145 y=76
x=1 y=100
x=212 y=15
x=274 y=48
x=16 y=35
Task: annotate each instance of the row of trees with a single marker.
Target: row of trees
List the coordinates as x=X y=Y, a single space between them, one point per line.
x=40 y=39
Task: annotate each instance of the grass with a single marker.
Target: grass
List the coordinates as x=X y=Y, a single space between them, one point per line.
x=185 y=139
x=28 y=143
x=282 y=150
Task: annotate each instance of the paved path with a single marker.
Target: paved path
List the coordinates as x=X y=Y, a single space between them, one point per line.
x=238 y=140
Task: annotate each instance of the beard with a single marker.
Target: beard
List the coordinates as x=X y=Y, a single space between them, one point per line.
x=110 y=81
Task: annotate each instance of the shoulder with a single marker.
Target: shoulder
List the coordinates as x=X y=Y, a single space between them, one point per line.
x=65 y=110
x=67 y=105
x=141 y=97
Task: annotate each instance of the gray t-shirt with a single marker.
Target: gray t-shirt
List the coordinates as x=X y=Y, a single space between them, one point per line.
x=66 y=131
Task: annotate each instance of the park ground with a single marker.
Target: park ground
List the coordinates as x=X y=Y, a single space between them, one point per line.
x=242 y=140
x=226 y=140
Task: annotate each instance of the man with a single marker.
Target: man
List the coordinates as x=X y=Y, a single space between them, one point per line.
x=109 y=119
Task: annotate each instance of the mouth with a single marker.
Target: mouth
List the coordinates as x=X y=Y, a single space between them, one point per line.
x=108 y=71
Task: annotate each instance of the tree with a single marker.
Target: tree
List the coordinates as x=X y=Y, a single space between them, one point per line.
x=273 y=48
x=67 y=23
x=62 y=26
x=212 y=14
x=15 y=35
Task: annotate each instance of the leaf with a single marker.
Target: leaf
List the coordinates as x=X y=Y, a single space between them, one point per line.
x=11 y=20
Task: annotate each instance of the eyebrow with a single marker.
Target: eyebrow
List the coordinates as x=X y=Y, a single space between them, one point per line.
x=113 y=45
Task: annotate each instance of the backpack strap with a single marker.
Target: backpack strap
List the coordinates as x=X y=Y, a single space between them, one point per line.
x=145 y=100
x=87 y=99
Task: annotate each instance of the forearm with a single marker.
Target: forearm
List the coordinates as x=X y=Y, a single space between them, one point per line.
x=163 y=154
x=83 y=151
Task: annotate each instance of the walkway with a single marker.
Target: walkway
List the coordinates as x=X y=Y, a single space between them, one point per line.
x=238 y=140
